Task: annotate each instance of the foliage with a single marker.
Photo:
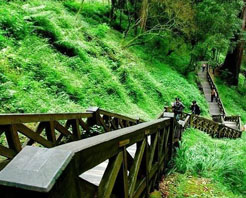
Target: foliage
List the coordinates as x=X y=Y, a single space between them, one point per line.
x=64 y=64
x=200 y=155
x=233 y=99
x=178 y=185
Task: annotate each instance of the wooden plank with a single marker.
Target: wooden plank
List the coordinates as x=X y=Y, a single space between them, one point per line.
x=6 y=119
x=50 y=132
x=41 y=126
x=75 y=128
x=135 y=168
x=90 y=148
x=152 y=151
x=83 y=125
x=115 y=115
x=106 y=185
x=103 y=124
x=63 y=130
x=6 y=152
x=31 y=134
x=121 y=123
x=13 y=138
x=125 y=177
x=113 y=124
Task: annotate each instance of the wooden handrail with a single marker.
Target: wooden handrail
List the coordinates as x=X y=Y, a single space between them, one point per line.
x=212 y=84
x=135 y=175
x=53 y=129
x=6 y=119
x=215 y=129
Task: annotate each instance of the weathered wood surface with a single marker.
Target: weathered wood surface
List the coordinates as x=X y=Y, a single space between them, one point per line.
x=123 y=163
x=216 y=108
x=49 y=130
x=124 y=175
x=215 y=129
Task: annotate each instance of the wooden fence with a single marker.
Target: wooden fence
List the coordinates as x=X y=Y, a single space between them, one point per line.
x=56 y=172
x=236 y=119
x=49 y=130
x=215 y=129
x=125 y=176
x=212 y=85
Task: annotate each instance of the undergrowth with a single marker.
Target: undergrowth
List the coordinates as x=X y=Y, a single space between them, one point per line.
x=54 y=59
x=222 y=160
x=233 y=100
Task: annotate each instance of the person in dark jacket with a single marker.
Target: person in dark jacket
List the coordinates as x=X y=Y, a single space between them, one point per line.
x=177 y=108
x=213 y=95
x=195 y=109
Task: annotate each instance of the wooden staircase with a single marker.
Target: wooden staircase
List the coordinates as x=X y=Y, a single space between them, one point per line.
x=216 y=108
x=125 y=161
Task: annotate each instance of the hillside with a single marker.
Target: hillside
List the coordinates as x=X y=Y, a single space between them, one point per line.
x=55 y=60
x=56 y=56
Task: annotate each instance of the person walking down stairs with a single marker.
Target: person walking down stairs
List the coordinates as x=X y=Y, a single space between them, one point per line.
x=203 y=67
x=195 y=109
x=177 y=108
x=213 y=95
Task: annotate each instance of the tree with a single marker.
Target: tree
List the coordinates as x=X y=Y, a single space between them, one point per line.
x=234 y=57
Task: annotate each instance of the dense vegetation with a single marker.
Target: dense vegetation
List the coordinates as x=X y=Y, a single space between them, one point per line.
x=53 y=62
x=64 y=56
x=201 y=156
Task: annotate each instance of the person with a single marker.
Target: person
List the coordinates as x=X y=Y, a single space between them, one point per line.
x=195 y=109
x=213 y=94
x=177 y=108
x=203 y=67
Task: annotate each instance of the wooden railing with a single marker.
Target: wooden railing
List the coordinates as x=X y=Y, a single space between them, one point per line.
x=236 y=119
x=215 y=129
x=56 y=172
x=49 y=130
x=223 y=116
x=125 y=175
x=212 y=85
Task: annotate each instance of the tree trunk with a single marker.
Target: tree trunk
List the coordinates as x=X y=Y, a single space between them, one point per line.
x=233 y=59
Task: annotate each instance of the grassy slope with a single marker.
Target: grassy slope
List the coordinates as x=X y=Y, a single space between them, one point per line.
x=51 y=62
x=233 y=100
x=200 y=157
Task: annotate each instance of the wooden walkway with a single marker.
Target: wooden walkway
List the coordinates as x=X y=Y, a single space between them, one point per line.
x=213 y=106
x=94 y=175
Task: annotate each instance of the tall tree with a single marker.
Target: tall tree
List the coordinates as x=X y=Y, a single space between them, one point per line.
x=234 y=57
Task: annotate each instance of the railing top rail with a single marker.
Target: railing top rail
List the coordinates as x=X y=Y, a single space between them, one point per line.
x=17 y=118
x=6 y=119
x=217 y=92
x=213 y=122
x=124 y=133
x=88 y=153
x=104 y=112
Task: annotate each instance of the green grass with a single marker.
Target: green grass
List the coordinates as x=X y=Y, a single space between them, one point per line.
x=53 y=60
x=178 y=185
x=233 y=100
x=221 y=160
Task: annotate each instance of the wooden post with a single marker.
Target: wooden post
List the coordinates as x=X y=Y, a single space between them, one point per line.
x=13 y=138
x=75 y=128
x=95 y=120
x=50 y=131
x=171 y=138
